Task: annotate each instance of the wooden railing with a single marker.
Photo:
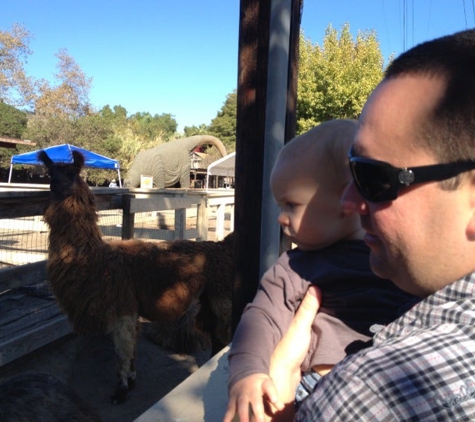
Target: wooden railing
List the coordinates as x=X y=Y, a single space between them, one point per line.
x=29 y=316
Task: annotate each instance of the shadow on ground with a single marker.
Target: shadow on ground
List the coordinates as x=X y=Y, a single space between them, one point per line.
x=88 y=365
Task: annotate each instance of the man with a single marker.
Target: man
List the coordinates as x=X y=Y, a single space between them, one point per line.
x=414 y=187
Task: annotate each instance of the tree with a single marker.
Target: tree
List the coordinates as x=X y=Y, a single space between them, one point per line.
x=116 y=116
x=12 y=121
x=195 y=130
x=15 y=87
x=70 y=97
x=223 y=126
x=335 y=79
x=158 y=126
x=58 y=107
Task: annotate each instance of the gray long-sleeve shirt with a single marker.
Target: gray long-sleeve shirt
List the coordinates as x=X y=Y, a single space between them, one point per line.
x=353 y=300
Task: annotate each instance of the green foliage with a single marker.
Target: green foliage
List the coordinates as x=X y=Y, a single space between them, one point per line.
x=223 y=126
x=195 y=130
x=336 y=78
x=12 y=121
x=116 y=117
x=137 y=132
x=158 y=126
x=50 y=130
x=334 y=81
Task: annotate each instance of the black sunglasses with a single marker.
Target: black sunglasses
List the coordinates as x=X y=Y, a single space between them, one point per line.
x=378 y=181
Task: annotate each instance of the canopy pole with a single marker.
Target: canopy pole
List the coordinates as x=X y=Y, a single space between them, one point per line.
x=10 y=173
x=118 y=175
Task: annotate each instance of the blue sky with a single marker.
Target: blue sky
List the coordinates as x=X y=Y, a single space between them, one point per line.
x=180 y=56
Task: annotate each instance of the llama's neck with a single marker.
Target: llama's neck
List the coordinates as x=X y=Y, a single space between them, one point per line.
x=73 y=224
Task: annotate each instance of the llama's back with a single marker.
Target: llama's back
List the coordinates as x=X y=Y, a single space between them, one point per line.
x=212 y=314
x=218 y=263
x=165 y=282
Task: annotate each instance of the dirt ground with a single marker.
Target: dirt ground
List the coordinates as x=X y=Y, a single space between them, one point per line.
x=88 y=365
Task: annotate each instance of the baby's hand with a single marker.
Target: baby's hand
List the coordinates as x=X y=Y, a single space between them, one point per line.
x=251 y=391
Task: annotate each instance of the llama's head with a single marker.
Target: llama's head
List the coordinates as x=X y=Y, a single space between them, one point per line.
x=63 y=176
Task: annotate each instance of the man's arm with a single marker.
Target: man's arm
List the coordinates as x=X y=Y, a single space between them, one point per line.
x=289 y=355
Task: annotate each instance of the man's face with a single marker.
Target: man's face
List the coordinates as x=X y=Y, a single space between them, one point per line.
x=419 y=240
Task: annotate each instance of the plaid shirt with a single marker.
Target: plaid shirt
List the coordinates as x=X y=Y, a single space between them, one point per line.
x=421 y=367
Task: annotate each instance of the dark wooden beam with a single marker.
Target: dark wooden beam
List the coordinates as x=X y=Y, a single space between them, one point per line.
x=12 y=143
x=250 y=134
x=251 y=100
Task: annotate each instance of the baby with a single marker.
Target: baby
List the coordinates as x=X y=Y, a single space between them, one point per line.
x=307 y=181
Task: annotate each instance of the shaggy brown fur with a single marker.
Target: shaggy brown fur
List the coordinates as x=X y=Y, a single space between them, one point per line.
x=41 y=397
x=209 y=320
x=104 y=287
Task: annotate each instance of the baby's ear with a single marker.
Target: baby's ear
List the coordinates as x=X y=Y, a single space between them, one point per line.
x=470 y=230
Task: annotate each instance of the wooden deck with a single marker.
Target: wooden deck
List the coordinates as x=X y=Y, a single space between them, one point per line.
x=30 y=317
x=203 y=396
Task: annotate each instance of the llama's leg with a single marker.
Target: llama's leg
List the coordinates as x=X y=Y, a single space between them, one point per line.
x=124 y=335
x=209 y=322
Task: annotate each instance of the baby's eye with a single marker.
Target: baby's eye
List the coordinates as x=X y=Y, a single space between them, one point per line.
x=288 y=206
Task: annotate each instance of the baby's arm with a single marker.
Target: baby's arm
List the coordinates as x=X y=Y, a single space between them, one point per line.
x=247 y=396
x=262 y=325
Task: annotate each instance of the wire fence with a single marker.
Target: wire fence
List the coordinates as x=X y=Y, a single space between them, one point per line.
x=25 y=240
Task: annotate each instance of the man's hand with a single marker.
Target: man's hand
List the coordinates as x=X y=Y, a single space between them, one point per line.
x=289 y=355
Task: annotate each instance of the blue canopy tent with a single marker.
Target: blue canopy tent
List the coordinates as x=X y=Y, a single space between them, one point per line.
x=63 y=154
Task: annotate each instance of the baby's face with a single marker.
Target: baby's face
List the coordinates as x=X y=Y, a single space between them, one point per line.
x=311 y=214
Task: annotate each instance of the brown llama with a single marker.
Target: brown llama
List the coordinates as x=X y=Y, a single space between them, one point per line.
x=41 y=397
x=104 y=287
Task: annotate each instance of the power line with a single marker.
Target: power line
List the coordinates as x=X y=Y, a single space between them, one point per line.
x=465 y=14
x=412 y=22
x=404 y=26
x=428 y=18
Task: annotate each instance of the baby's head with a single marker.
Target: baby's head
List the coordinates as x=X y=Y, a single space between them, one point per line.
x=307 y=181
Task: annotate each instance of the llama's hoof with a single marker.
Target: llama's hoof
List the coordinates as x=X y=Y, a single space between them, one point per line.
x=120 y=394
x=131 y=383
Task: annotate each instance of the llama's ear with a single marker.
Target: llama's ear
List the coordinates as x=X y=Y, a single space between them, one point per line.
x=44 y=157
x=78 y=159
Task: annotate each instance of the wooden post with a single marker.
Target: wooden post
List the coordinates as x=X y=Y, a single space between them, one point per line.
x=180 y=221
x=180 y=224
x=220 y=221
x=253 y=72
x=202 y=219
x=250 y=126
x=128 y=218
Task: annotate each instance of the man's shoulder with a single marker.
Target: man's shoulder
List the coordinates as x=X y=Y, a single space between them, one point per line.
x=416 y=375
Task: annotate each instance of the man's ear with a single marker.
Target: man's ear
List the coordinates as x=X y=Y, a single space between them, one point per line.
x=471 y=222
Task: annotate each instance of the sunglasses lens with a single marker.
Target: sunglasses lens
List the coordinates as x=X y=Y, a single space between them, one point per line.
x=373 y=181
